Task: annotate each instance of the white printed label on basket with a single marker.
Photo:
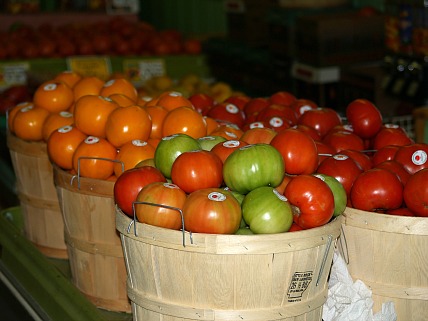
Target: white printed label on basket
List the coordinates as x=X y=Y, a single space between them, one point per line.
x=298 y=285
x=419 y=157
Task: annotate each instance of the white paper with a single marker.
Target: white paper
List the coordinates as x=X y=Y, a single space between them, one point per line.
x=351 y=301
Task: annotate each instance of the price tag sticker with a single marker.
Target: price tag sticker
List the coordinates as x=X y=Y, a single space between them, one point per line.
x=98 y=66
x=13 y=74
x=139 y=71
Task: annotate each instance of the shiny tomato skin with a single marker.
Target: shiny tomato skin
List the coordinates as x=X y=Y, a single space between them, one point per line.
x=364 y=117
x=197 y=169
x=163 y=194
x=416 y=193
x=130 y=183
x=391 y=134
x=359 y=157
x=224 y=149
x=312 y=199
x=309 y=130
x=285 y=112
x=298 y=150
x=377 y=189
x=341 y=140
x=212 y=211
x=383 y=154
x=401 y=211
x=343 y=168
x=324 y=151
x=414 y=157
x=227 y=112
x=322 y=119
x=396 y=168
x=301 y=105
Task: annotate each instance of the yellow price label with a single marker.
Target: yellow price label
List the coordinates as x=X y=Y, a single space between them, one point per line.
x=99 y=66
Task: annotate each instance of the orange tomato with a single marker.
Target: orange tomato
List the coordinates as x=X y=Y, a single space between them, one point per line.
x=94 y=158
x=127 y=123
x=10 y=114
x=91 y=113
x=54 y=96
x=173 y=99
x=62 y=144
x=228 y=131
x=184 y=120
x=157 y=114
x=154 y=141
x=89 y=85
x=212 y=124
x=132 y=153
x=28 y=123
x=122 y=100
x=55 y=121
x=147 y=101
x=70 y=78
x=119 y=86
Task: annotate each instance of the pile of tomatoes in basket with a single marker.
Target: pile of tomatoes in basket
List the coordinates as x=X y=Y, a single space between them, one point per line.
x=246 y=165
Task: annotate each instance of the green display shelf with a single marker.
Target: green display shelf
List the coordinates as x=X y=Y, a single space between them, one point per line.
x=41 y=284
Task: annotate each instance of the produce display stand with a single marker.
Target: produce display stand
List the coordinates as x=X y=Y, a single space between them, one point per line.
x=42 y=284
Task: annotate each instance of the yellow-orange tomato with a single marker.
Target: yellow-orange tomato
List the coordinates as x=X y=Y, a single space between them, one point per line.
x=173 y=99
x=119 y=86
x=91 y=113
x=89 y=85
x=128 y=123
x=212 y=124
x=94 y=158
x=28 y=123
x=122 y=100
x=230 y=132
x=132 y=153
x=55 y=121
x=157 y=114
x=62 y=144
x=70 y=78
x=54 y=96
x=10 y=114
x=184 y=120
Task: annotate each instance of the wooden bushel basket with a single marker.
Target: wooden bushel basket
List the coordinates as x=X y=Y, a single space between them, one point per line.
x=182 y=276
x=389 y=254
x=95 y=252
x=43 y=222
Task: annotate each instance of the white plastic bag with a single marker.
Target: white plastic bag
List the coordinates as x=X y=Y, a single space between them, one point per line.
x=351 y=301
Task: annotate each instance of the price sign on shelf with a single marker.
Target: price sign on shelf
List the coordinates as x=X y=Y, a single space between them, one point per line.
x=13 y=74
x=139 y=71
x=98 y=66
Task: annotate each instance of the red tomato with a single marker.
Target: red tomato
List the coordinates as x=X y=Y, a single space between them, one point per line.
x=391 y=134
x=359 y=157
x=396 y=168
x=416 y=193
x=414 y=157
x=227 y=112
x=166 y=194
x=255 y=105
x=213 y=211
x=294 y=227
x=202 y=102
x=401 y=211
x=196 y=170
x=309 y=130
x=130 y=183
x=324 y=151
x=321 y=119
x=343 y=168
x=254 y=124
x=312 y=199
x=302 y=105
x=282 y=98
x=377 y=189
x=385 y=153
x=224 y=149
x=341 y=140
x=277 y=123
x=365 y=118
x=298 y=150
x=285 y=112
x=238 y=100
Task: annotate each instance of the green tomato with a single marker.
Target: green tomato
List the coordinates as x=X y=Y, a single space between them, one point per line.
x=253 y=166
x=266 y=211
x=339 y=193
